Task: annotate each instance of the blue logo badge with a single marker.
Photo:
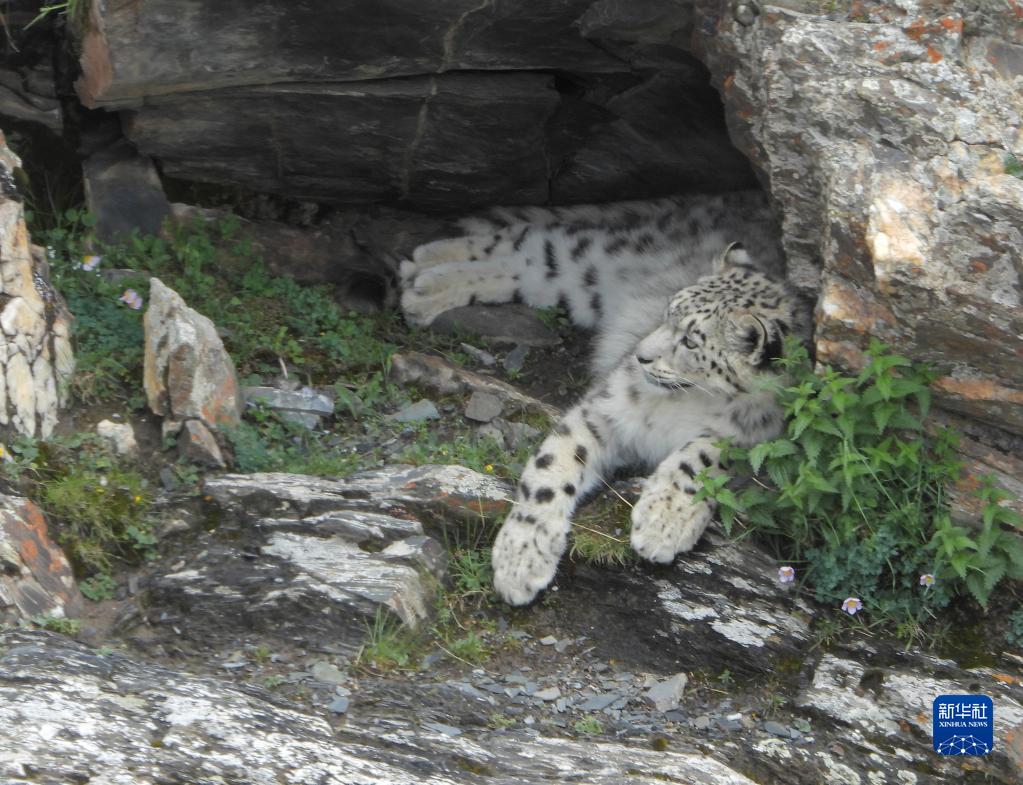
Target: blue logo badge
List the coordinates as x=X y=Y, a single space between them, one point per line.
x=964 y=725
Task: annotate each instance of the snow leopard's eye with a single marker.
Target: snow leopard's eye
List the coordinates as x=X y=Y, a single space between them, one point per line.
x=688 y=342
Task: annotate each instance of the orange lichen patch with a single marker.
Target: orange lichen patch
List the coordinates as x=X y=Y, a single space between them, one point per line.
x=729 y=82
x=934 y=55
x=853 y=308
x=978 y=389
x=951 y=24
x=476 y=506
x=880 y=46
x=978 y=266
x=917 y=29
x=1005 y=678
x=844 y=354
x=1014 y=745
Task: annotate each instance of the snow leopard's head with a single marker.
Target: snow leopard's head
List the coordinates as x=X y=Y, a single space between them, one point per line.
x=722 y=334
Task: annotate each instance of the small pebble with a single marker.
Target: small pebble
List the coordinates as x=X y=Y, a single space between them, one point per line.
x=549 y=694
x=777 y=729
x=516 y=358
x=339 y=705
x=479 y=355
x=327 y=673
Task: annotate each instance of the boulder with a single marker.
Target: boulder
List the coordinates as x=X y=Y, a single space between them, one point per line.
x=119 y=436
x=36 y=360
x=303 y=558
x=69 y=710
x=35 y=577
x=188 y=373
x=885 y=132
x=197 y=444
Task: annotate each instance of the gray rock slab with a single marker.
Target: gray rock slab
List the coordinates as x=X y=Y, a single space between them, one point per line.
x=355 y=525
x=483 y=407
x=667 y=694
x=509 y=324
x=430 y=494
x=124 y=193
x=304 y=399
x=420 y=411
x=516 y=358
x=598 y=702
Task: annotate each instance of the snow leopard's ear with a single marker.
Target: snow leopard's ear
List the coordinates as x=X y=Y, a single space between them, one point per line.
x=760 y=340
x=733 y=256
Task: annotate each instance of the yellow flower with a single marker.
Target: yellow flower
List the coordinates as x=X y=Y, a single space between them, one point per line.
x=138 y=499
x=489 y=468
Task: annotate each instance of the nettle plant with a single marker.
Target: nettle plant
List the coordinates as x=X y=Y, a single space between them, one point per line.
x=855 y=495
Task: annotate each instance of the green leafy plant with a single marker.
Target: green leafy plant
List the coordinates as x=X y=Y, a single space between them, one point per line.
x=98 y=507
x=58 y=624
x=98 y=587
x=589 y=726
x=389 y=645
x=1014 y=633
x=1013 y=166
x=854 y=494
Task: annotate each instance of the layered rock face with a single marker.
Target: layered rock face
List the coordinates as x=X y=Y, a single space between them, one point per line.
x=36 y=360
x=888 y=136
x=441 y=106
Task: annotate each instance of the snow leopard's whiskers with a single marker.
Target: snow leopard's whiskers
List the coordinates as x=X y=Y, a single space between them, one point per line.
x=689 y=383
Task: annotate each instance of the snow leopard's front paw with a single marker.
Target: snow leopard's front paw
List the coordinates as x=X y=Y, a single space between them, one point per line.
x=666 y=521
x=525 y=556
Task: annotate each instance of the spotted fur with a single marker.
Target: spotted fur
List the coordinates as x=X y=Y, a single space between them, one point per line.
x=690 y=312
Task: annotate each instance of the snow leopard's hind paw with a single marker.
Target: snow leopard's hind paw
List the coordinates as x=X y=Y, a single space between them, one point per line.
x=426 y=294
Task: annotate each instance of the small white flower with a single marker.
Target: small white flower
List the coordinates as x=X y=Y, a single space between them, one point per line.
x=927 y=580
x=852 y=605
x=132 y=299
x=90 y=263
x=786 y=574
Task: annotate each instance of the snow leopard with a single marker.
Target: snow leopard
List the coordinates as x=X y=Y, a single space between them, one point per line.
x=690 y=306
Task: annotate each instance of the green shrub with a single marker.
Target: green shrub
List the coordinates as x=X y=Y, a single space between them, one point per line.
x=855 y=495
x=265 y=320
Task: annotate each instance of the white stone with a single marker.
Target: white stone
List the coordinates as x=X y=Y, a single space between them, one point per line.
x=21 y=395
x=120 y=436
